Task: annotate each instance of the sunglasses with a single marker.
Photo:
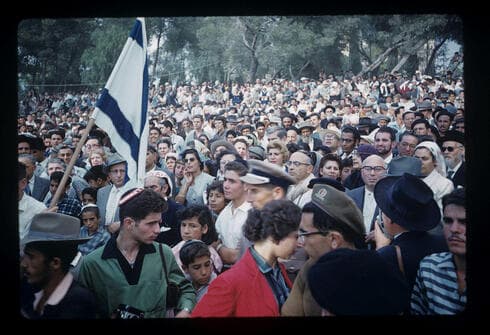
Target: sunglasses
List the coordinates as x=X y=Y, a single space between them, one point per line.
x=188 y=160
x=449 y=149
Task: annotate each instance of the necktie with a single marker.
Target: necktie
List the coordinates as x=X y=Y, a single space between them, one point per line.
x=27 y=190
x=450 y=174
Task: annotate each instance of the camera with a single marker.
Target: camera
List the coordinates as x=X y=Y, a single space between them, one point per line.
x=128 y=312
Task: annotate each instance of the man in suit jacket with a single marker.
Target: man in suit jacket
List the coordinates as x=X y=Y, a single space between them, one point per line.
x=372 y=170
x=108 y=196
x=37 y=187
x=306 y=129
x=453 y=150
x=407 y=212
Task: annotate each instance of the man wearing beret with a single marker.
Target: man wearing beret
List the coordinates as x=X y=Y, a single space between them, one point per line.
x=336 y=284
x=407 y=212
x=330 y=221
x=453 y=150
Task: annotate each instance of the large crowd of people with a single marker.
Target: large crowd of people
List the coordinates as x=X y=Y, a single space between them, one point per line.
x=260 y=199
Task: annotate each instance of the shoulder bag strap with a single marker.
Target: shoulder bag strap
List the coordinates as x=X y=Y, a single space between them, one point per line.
x=399 y=258
x=163 y=261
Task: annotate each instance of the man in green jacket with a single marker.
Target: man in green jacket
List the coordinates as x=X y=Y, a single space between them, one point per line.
x=127 y=274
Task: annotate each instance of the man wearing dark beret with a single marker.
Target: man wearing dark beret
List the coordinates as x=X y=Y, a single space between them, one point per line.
x=357 y=282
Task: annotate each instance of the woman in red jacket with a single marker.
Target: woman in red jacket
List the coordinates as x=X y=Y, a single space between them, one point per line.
x=257 y=285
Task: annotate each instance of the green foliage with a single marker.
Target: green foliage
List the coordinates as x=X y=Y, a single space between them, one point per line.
x=67 y=51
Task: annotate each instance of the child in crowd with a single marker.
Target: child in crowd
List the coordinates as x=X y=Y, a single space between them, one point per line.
x=90 y=217
x=196 y=261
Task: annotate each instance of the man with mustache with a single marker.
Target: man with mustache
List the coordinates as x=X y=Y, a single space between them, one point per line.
x=440 y=286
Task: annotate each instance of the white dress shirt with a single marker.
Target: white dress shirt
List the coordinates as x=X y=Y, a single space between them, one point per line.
x=229 y=224
x=28 y=207
x=369 y=208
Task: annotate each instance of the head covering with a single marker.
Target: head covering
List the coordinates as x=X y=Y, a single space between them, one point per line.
x=54 y=227
x=408 y=201
x=161 y=174
x=366 y=150
x=262 y=172
x=437 y=153
x=333 y=132
x=328 y=181
x=113 y=159
x=339 y=206
x=453 y=135
x=305 y=124
x=223 y=143
x=256 y=152
x=357 y=282
x=401 y=164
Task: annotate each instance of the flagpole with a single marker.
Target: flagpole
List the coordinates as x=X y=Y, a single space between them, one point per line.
x=61 y=186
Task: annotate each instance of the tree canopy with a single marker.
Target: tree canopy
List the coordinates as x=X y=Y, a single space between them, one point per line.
x=84 y=50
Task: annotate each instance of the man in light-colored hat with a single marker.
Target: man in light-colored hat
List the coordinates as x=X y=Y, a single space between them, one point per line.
x=306 y=129
x=48 y=249
x=407 y=212
x=331 y=139
x=109 y=195
x=330 y=221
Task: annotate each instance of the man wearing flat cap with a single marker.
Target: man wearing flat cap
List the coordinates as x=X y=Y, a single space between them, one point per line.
x=407 y=212
x=330 y=221
x=49 y=290
x=339 y=289
x=453 y=151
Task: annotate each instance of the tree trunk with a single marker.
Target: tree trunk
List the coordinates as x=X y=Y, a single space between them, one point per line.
x=406 y=56
x=380 y=59
x=433 y=55
x=157 y=53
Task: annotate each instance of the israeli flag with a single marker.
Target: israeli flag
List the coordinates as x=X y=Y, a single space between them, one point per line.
x=121 y=110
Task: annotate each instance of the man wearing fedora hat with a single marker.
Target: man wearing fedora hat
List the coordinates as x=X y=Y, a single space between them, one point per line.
x=306 y=129
x=407 y=212
x=330 y=221
x=109 y=195
x=48 y=250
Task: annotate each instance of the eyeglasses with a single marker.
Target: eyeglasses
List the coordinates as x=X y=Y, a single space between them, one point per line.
x=296 y=163
x=449 y=149
x=188 y=160
x=302 y=234
x=405 y=144
x=373 y=168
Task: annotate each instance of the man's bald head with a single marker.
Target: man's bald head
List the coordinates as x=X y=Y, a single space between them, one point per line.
x=373 y=169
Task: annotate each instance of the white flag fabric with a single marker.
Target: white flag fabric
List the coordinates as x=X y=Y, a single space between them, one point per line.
x=121 y=110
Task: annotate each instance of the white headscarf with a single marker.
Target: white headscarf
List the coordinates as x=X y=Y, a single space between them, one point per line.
x=436 y=153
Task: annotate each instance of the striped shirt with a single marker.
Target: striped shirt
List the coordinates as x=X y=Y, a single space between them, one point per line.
x=436 y=287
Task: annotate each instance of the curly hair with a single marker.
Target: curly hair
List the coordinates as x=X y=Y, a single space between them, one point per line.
x=277 y=219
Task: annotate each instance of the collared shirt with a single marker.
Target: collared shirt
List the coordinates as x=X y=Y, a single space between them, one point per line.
x=450 y=176
x=67 y=205
x=28 y=207
x=436 y=287
x=369 y=208
x=389 y=158
x=99 y=238
x=112 y=203
x=132 y=273
x=274 y=277
x=58 y=293
x=229 y=224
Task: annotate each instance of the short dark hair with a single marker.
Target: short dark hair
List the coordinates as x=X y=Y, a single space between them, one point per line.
x=191 y=250
x=456 y=197
x=57 y=176
x=142 y=204
x=92 y=191
x=388 y=130
x=353 y=130
x=240 y=168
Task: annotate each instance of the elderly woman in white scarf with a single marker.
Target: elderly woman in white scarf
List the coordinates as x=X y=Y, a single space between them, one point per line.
x=434 y=169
